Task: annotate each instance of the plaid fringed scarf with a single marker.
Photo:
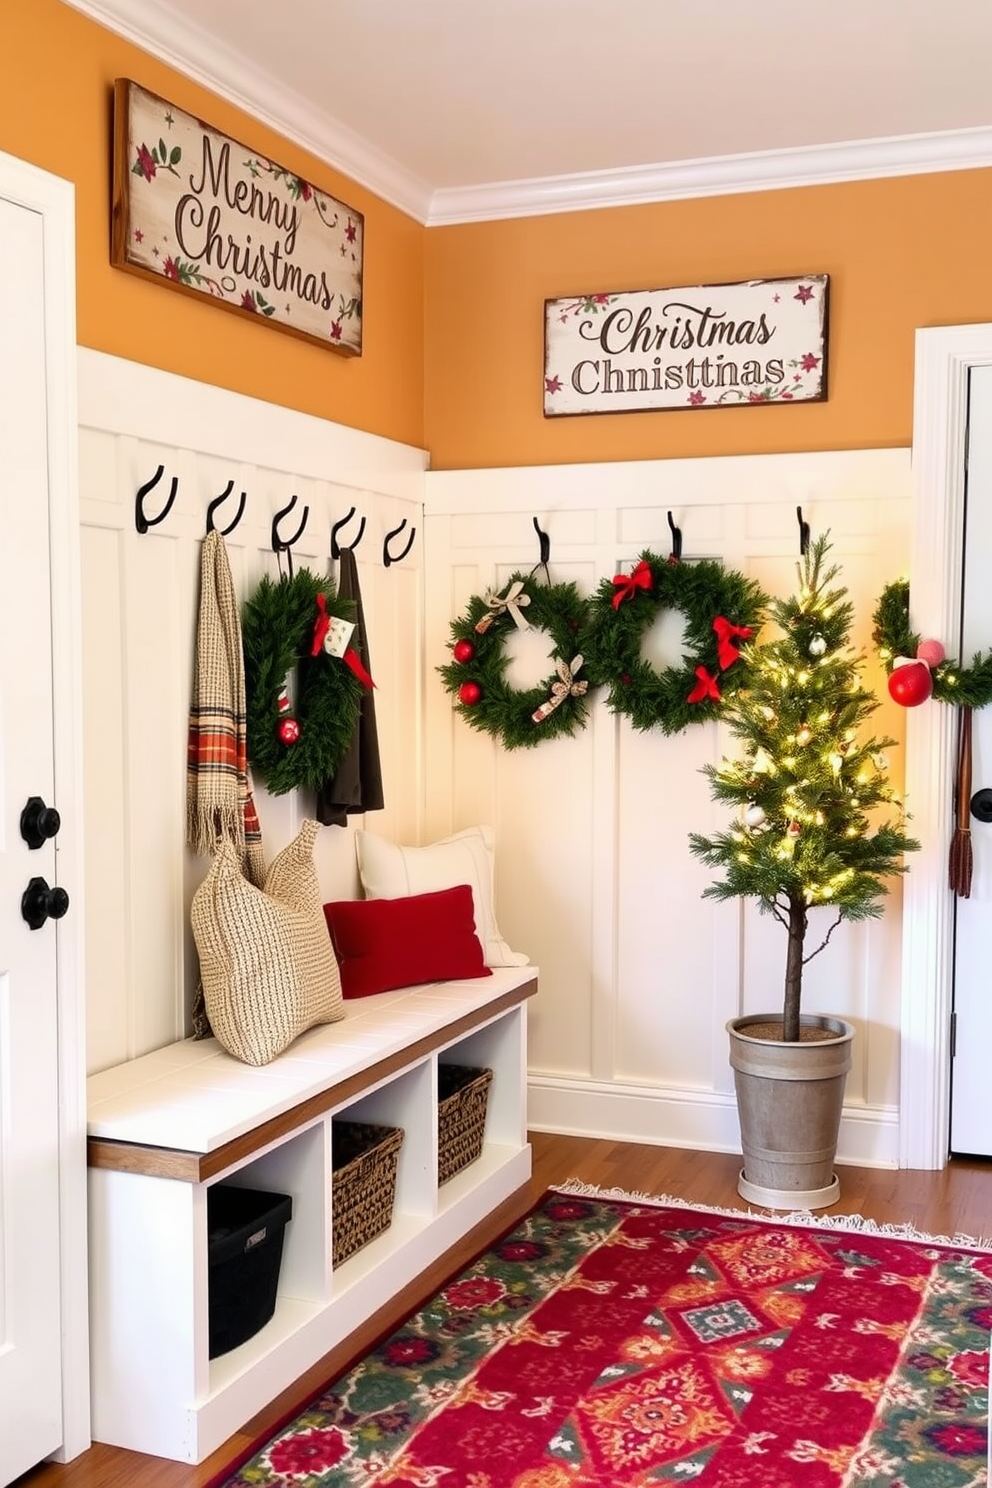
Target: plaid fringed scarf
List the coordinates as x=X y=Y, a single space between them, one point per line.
x=219 y=801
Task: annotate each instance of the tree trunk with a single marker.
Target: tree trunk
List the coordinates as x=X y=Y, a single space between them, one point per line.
x=794 y=970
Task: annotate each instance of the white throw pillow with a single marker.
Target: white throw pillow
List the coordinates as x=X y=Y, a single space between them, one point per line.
x=391 y=872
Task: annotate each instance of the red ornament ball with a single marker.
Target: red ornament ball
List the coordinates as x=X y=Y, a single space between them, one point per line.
x=469 y=693
x=463 y=651
x=288 y=730
x=910 y=684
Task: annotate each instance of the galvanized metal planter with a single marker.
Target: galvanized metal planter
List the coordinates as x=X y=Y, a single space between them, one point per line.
x=789 y=1100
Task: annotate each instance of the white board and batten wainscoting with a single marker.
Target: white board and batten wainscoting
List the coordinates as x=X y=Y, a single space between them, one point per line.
x=639 y=973
x=139 y=602
x=593 y=876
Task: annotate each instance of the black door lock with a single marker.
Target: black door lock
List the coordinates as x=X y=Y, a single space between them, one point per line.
x=39 y=822
x=981 y=805
x=39 y=903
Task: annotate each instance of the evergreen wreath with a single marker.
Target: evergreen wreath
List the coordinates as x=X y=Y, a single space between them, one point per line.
x=476 y=675
x=964 y=687
x=278 y=632
x=722 y=609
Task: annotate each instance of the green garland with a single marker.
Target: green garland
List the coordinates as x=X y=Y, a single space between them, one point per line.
x=493 y=706
x=964 y=687
x=702 y=592
x=277 y=631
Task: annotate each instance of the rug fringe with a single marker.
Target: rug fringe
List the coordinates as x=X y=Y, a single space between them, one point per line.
x=856 y=1224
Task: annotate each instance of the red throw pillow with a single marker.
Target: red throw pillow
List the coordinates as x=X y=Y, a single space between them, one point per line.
x=385 y=943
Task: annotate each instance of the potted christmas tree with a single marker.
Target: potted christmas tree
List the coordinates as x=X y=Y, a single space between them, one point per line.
x=808 y=847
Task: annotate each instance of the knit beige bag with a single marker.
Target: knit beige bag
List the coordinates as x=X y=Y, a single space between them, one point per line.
x=268 y=968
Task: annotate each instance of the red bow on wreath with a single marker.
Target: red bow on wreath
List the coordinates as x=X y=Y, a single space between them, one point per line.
x=351 y=658
x=627 y=585
x=727 y=653
x=706 y=687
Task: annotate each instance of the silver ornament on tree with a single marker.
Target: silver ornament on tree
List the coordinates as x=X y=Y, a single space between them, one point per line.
x=754 y=816
x=817 y=645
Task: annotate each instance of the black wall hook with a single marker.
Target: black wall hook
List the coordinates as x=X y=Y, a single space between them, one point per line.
x=335 y=547
x=216 y=503
x=141 y=522
x=387 y=556
x=676 y=539
x=545 y=542
x=283 y=544
x=803 y=532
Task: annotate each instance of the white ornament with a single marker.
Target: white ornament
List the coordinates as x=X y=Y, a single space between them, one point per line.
x=754 y=816
x=817 y=646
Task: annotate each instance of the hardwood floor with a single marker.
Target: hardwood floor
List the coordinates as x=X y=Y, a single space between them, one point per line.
x=956 y=1200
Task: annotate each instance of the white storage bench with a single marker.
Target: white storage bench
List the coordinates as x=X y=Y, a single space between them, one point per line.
x=165 y=1127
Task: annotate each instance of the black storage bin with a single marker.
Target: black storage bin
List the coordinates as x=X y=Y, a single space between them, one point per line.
x=245 y=1230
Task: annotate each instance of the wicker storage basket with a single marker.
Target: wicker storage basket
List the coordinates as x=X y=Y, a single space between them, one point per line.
x=463 y=1093
x=364 y=1160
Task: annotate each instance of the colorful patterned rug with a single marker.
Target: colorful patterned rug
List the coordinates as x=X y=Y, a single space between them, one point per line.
x=612 y=1342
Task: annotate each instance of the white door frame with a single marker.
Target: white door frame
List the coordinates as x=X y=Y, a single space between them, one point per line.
x=944 y=358
x=54 y=200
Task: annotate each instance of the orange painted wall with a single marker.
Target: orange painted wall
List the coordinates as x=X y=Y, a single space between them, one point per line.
x=901 y=253
x=57 y=70
x=454 y=321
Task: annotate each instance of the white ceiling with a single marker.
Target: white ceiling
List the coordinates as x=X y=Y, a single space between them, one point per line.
x=461 y=108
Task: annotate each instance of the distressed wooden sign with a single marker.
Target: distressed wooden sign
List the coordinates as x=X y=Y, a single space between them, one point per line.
x=708 y=346
x=202 y=213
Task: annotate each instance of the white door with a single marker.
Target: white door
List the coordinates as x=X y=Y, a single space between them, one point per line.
x=30 y=1287
x=971 y=1072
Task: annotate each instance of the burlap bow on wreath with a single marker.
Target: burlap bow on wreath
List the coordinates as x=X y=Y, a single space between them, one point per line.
x=565 y=687
x=511 y=603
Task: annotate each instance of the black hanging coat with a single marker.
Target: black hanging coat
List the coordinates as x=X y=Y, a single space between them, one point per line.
x=357 y=784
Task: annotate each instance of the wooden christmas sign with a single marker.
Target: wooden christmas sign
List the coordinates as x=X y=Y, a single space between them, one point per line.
x=201 y=213
x=708 y=346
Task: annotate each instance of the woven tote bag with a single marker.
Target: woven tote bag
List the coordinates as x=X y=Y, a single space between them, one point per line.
x=266 y=961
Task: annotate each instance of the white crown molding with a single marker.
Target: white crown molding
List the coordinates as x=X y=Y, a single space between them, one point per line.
x=724 y=175
x=156 y=29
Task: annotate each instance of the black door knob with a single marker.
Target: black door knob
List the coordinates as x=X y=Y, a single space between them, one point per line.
x=39 y=903
x=39 y=822
x=981 y=805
